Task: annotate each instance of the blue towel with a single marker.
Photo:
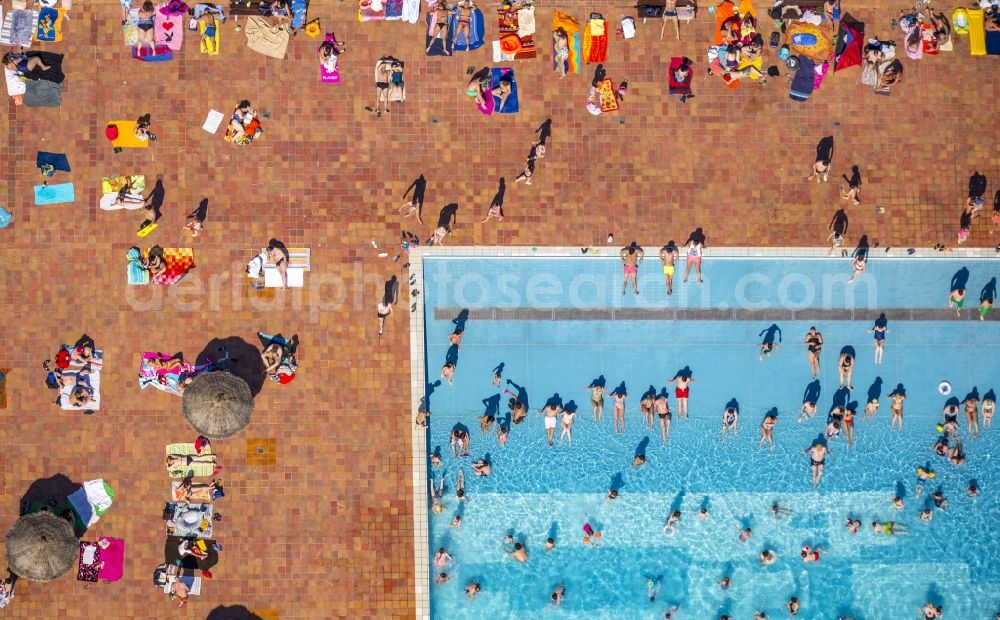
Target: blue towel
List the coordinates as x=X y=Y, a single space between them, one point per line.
x=4 y=217
x=803 y=83
x=511 y=105
x=57 y=160
x=54 y=194
x=299 y=8
x=475 y=32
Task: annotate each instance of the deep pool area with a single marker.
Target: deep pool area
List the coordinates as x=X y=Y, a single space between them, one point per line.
x=550 y=346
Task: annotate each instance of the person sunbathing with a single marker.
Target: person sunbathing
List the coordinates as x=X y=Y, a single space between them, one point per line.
x=180 y=460
x=155 y=263
x=244 y=127
x=189 y=490
x=22 y=64
x=561 y=39
x=278 y=10
x=179 y=590
x=439 y=22
x=146 y=26
x=503 y=90
x=465 y=9
x=329 y=55
x=66 y=380
x=81 y=395
x=208 y=34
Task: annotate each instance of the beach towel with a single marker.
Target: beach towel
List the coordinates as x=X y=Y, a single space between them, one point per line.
x=190 y=520
x=609 y=100
x=511 y=105
x=298 y=264
x=193 y=584
x=300 y=9
x=517 y=39
x=138 y=275
x=804 y=81
x=209 y=45
x=198 y=496
x=165 y=379
x=220 y=13
x=911 y=37
x=54 y=194
x=992 y=42
x=179 y=261
x=92 y=501
x=54 y=73
x=112 y=559
x=441 y=45
x=960 y=20
x=90 y=557
x=21 y=31
x=680 y=87
x=58 y=161
x=595 y=39
x=723 y=12
x=371 y=10
x=169 y=30
x=212 y=121
x=264 y=38
x=850 y=40
x=135 y=183
x=203 y=470
x=569 y=24
x=977 y=32
x=809 y=41
x=130 y=29
x=329 y=73
x=159 y=53
x=15 y=85
x=461 y=42
x=126 y=136
x=50 y=23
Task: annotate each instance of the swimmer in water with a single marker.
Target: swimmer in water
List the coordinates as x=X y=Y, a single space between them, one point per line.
x=956 y=299
x=808 y=411
x=557 y=595
x=672 y=522
x=846 y=368
x=853 y=525
x=767 y=557
x=879 y=330
x=972 y=414
x=871 y=408
x=597 y=401
x=817 y=459
x=652 y=589
x=767 y=430
x=681 y=392
x=811 y=555
x=745 y=532
x=896 y=407
x=777 y=511
x=730 y=421
x=646 y=409
x=889 y=528
x=662 y=409
x=814 y=344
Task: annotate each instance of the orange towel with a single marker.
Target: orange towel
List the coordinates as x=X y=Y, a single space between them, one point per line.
x=723 y=11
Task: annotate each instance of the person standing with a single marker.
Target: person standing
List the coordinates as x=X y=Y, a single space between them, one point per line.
x=631 y=256
x=814 y=344
x=669 y=256
x=415 y=205
x=879 y=330
x=695 y=249
x=683 y=382
x=853 y=191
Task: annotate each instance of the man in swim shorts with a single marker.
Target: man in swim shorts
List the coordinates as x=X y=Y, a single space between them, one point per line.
x=682 y=391
x=817 y=458
x=668 y=255
x=631 y=256
x=985 y=306
x=551 y=412
x=956 y=299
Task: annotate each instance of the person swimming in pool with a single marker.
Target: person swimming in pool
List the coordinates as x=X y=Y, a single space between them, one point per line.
x=956 y=299
x=682 y=392
x=618 y=409
x=767 y=430
x=730 y=421
x=448 y=372
x=810 y=554
x=669 y=255
x=989 y=408
x=503 y=434
x=597 y=400
x=672 y=522
x=932 y=612
x=551 y=412
x=745 y=532
x=972 y=414
x=871 y=408
x=631 y=256
x=517 y=409
x=853 y=525
x=896 y=407
x=442 y=558
x=557 y=595
x=695 y=249
x=879 y=330
x=777 y=511
x=848 y=423
x=767 y=557
x=846 y=367
x=808 y=411
x=817 y=459
x=662 y=409
x=646 y=409
x=567 y=427
x=638 y=461
x=859 y=264
x=459 y=443
x=814 y=344
x=889 y=528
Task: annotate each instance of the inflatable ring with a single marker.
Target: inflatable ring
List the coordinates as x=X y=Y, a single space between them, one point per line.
x=960 y=20
x=944 y=388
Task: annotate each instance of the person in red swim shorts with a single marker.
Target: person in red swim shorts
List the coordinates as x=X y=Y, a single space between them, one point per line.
x=683 y=380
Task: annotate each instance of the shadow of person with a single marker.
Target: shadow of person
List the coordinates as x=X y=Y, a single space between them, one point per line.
x=232 y=612
x=460 y=320
x=243 y=360
x=501 y=191
x=812 y=392
x=989 y=291
x=960 y=280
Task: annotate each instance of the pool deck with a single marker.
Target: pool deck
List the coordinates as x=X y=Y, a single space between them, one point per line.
x=321 y=525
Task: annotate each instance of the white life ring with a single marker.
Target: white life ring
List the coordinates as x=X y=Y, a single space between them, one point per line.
x=944 y=388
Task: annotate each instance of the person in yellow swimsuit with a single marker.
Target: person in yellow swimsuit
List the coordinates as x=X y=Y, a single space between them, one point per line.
x=669 y=254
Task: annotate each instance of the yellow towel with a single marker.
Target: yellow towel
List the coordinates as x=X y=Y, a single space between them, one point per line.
x=597 y=27
x=126 y=136
x=212 y=49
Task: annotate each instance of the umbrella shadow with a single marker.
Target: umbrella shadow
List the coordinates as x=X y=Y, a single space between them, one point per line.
x=52 y=494
x=233 y=612
x=244 y=360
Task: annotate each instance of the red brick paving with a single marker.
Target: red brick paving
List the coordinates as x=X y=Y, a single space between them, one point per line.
x=321 y=527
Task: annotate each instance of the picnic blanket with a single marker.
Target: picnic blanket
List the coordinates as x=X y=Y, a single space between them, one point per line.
x=92 y=500
x=190 y=520
x=112 y=559
x=609 y=100
x=569 y=24
x=595 y=39
x=202 y=470
x=54 y=194
x=439 y=45
x=126 y=136
x=264 y=38
x=179 y=262
x=18 y=28
x=169 y=30
x=159 y=53
x=50 y=23
x=90 y=558
x=517 y=29
x=329 y=73
x=298 y=264
x=166 y=379
x=209 y=45
x=474 y=40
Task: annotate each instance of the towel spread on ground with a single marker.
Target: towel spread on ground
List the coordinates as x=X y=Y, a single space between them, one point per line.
x=128 y=188
x=50 y=23
x=371 y=10
x=212 y=121
x=179 y=262
x=190 y=520
x=203 y=470
x=163 y=378
x=92 y=379
x=805 y=39
x=19 y=28
x=461 y=42
x=53 y=61
x=112 y=559
x=517 y=40
x=511 y=105
x=159 y=53
x=266 y=39
x=209 y=45
x=609 y=100
x=133 y=183
x=90 y=557
x=298 y=264
x=91 y=501
x=15 y=85
x=54 y=194
x=126 y=136
x=804 y=81
x=58 y=161
x=199 y=495
x=169 y=30
x=680 y=87
x=329 y=72
x=569 y=24
x=130 y=29
x=595 y=40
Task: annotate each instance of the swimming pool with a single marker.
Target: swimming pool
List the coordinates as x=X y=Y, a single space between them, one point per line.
x=558 y=323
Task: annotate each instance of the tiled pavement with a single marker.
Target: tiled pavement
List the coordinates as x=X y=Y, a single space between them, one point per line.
x=319 y=524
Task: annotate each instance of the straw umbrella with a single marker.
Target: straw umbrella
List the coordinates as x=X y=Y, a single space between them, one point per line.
x=218 y=404
x=41 y=547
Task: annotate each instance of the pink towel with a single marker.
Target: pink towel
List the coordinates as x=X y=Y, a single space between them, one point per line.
x=114 y=560
x=169 y=30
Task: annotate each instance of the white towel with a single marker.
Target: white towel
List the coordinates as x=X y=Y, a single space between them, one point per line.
x=526 y=22
x=213 y=121
x=628 y=27
x=88 y=554
x=15 y=85
x=97 y=495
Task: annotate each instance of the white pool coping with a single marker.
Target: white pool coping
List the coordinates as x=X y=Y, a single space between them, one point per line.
x=421 y=536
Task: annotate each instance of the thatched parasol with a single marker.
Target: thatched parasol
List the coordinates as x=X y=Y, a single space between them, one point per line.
x=218 y=404
x=41 y=547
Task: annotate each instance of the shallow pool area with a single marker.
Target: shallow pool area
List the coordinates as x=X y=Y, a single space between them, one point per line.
x=558 y=324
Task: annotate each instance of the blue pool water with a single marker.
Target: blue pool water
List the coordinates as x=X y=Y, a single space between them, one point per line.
x=536 y=492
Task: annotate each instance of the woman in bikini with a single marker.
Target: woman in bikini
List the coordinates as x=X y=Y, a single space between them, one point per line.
x=646 y=409
x=439 y=22
x=849 y=425
x=180 y=460
x=597 y=401
x=989 y=408
x=859 y=264
x=956 y=299
x=880 y=329
x=814 y=344
x=896 y=407
x=695 y=248
x=972 y=414
x=465 y=9
x=767 y=430
x=730 y=421
x=846 y=367
x=146 y=26
x=618 y=409
x=567 y=427
x=561 y=50
x=662 y=409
